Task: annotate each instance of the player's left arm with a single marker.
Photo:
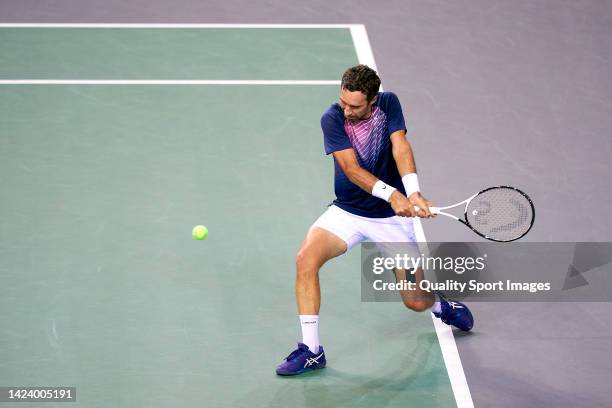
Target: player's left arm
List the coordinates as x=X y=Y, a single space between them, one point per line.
x=404 y=159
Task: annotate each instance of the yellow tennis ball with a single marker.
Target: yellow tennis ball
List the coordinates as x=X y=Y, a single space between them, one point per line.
x=199 y=232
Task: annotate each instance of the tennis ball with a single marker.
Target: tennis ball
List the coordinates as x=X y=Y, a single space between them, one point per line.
x=199 y=232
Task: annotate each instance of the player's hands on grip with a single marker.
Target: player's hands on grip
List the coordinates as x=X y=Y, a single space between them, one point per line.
x=416 y=199
x=405 y=207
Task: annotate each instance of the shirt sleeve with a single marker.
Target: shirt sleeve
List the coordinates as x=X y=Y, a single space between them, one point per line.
x=393 y=109
x=334 y=135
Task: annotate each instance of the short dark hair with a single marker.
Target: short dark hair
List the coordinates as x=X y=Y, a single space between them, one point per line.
x=363 y=79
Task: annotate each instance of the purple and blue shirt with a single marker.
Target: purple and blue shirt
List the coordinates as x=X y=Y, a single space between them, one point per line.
x=370 y=138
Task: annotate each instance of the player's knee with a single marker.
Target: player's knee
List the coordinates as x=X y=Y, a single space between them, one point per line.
x=417 y=305
x=306 y=263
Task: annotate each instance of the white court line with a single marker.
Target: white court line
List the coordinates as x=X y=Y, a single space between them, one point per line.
x=446 y=339
x=453 y=364
x=162 y=82
x=362 y=46
x=119 y=25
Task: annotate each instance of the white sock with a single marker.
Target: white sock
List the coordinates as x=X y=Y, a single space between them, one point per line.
x=310 y=331
x=436 y=308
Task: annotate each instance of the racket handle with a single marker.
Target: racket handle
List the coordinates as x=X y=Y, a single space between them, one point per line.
x=433 y=210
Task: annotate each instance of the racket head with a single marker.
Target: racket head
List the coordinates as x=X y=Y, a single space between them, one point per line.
x=501 y=213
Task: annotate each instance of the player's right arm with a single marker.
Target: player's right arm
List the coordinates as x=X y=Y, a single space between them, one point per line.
x=347 y=160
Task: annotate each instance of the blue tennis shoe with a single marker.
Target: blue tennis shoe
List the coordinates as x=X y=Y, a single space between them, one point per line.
x=455 y=313
x=302 y=360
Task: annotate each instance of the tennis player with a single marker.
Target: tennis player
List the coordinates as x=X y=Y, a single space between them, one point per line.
x=377 y=190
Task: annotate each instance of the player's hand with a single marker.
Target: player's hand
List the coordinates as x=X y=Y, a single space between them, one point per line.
x=416 y=199
x=402 y=205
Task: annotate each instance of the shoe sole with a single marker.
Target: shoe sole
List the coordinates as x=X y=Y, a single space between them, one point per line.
x=302 y=371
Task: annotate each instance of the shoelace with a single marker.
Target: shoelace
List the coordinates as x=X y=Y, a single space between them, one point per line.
x=294 y=353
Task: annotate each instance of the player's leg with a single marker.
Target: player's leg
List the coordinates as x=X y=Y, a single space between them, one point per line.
x=318 y=247
x=330 y=236
x=418 y=299
x=397 y=234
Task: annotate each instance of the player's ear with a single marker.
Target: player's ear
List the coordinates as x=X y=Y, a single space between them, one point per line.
x=373 y=100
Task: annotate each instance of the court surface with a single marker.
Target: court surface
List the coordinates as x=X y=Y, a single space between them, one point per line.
x=102 y=286
x=493 y=91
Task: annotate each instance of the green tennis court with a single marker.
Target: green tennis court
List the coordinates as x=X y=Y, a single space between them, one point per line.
x=102 y=286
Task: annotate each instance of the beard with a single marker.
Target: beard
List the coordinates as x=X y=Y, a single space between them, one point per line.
x=354 y=118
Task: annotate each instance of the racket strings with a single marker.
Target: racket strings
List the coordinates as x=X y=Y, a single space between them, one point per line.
x=502 y=214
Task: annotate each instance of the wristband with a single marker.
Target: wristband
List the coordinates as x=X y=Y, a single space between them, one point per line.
x=411 y=184
x=382 y=190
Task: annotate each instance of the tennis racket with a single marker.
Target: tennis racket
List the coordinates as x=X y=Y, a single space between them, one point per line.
x=501 y=214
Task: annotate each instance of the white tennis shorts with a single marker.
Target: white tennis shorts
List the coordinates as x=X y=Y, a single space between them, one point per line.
x=354 y=229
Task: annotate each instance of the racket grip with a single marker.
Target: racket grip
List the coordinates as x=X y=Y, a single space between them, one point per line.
x=433 y=210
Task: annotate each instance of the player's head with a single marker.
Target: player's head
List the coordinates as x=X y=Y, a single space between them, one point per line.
x=358 y=92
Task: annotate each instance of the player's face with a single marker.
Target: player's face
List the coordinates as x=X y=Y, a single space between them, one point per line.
x=355 y=105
